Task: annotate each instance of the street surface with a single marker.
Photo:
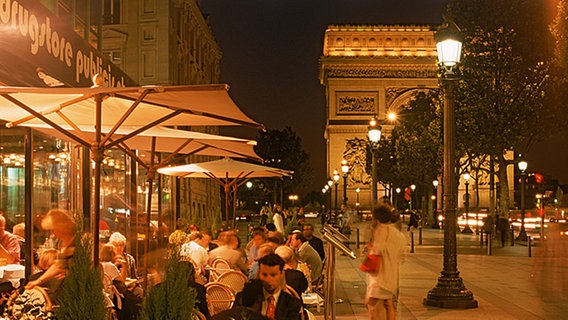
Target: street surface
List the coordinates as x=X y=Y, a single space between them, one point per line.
x=507 y=285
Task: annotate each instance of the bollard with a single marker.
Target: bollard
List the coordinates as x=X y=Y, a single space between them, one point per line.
x=512 y=236
x=358 y=238
x=411 y=241
x=481 y=238
x=529 y=244
x=420 y=235
x=489 y=247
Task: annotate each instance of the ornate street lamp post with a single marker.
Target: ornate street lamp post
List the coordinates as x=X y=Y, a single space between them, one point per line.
x=336 y=182
x=330 y=185
x=358 y=204
x=345 y=170
x=523 y=233
x=412 y=189
x=450 y=291
x=374 y=137
x=435 y=183
x=397 y=190
x=435 y=204
x=293 y=198
x=540 y=208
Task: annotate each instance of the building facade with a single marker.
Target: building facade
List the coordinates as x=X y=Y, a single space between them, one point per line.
x=167 y=43
x=146 y=43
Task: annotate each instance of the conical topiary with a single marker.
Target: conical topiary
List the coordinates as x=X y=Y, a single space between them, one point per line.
x=81 y=295
x=172 y=298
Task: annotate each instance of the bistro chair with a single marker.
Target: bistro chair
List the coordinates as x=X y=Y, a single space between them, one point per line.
x=233 y=279
x=319 y=282
x=218 y=267
x=295 y=294
x=21 y=304
x=196 y=315
x=219 y=297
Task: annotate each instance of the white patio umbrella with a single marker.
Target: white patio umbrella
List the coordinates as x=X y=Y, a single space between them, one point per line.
x=227 y=172
x=140 y=107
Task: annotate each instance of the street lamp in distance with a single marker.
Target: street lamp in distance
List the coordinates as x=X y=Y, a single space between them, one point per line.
x=523 y=233
x=345 y=170
x=467 y=228
x=293 y=198
x=358 y=204
x=397 y=190
x=540 y=208
x=450 y=291
x=374 y=137
x=435 y=184
x=336 y=182
x=412 y=189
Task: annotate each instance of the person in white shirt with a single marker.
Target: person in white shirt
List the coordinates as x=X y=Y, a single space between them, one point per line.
x=278 y=222
x=195 y=251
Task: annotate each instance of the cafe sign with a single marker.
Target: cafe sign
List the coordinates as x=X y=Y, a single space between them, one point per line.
x=38 y=49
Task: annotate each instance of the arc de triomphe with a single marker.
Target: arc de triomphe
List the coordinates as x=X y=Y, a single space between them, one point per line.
x=366 y=71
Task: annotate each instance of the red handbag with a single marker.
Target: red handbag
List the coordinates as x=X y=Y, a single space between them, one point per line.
x=371 y=263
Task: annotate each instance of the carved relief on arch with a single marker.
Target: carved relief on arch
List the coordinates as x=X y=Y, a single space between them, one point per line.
x=398 y=98
x=356 y=155
x=357 y=102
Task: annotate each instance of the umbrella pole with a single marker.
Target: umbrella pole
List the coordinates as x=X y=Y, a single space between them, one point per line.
x=150 y=173
x=148 y=220
x=235 y=206
x=98 y=155
x=227 y=191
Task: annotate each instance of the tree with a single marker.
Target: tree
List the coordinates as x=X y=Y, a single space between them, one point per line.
x=412 y=153
x=283 y=149
x=81 y=294
x=560 y=95
x=505 y=81
x=173 y=298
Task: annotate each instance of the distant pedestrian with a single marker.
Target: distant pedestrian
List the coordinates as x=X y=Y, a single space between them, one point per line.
x=263 y=216
x=412 y=221
x=503 y=227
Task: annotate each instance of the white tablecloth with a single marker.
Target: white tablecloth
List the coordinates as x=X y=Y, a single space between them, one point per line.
x=312 y=299
x=12 y=273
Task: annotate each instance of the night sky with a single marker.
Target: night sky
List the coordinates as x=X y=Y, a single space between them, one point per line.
x=270 y=59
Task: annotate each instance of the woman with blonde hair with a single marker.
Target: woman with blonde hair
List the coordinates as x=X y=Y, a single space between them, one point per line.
x=62 y=226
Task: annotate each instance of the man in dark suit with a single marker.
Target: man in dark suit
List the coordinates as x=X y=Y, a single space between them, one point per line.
x=314 y=241
x=266 y=294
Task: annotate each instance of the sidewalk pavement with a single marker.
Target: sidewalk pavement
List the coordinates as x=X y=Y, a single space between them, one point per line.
x=507 y=285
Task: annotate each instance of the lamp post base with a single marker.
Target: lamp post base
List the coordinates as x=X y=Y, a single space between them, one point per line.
x=450 y=293
x=522 y=235
x=467 y=230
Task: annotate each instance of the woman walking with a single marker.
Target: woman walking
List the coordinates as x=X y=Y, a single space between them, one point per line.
x=388 y=242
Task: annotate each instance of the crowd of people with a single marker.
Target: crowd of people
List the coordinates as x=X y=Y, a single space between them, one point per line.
x=272 y=261
x=279 y=267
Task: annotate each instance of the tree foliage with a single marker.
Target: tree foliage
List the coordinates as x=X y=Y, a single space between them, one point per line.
x=412 y=153
x=283 y=149
x=173 y=298
x=502 y=100
x=81 y=294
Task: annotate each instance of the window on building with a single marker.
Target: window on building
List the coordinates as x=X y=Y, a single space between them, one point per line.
x=111 y=12
x=114 y=56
